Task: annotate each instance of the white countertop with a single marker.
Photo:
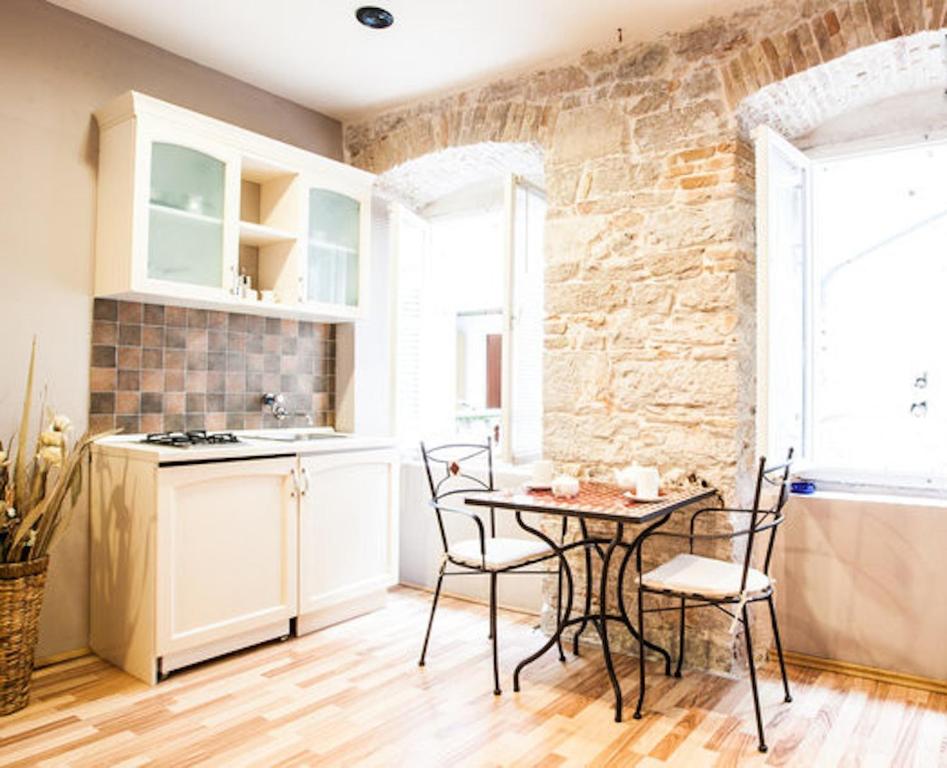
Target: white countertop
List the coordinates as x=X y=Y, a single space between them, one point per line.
x=248 y=447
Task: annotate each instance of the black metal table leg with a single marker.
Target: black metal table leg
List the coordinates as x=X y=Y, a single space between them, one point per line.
x=560 y=623
x=599 y=619
x=602 y=624
x=630 y=549
x=559 y=617
x=588 y=587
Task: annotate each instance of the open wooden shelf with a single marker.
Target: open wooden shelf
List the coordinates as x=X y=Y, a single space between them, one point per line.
x=260 y=235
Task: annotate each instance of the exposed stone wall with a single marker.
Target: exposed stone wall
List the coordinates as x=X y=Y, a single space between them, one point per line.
x=649 y=349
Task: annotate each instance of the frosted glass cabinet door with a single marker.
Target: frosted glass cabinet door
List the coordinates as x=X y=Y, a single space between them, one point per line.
x=333 y=248
x=186 y=216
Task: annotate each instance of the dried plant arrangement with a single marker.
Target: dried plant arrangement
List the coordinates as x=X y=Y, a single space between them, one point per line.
x=36 y=485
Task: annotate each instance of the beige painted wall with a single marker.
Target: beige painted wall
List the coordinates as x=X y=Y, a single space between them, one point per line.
x=860 y=579
x=55 y=69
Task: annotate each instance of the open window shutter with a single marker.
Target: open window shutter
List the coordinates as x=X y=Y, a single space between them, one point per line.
x=525 y=324
x=783 y=224
x=410 y=236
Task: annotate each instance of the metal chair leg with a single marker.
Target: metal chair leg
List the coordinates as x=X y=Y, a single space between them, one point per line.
x=559 y=617
x=641 y=670
x=779 y=648
x=752 y=663
x=430 y=621
x=490 y=630
x=493 y=633
x=680 y=642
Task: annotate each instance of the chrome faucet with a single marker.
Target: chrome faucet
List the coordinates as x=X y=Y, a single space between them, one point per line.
x=277 y=405
x=276 y=402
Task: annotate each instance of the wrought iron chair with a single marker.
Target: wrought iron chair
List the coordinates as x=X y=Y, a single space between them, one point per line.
x=710 y=582
x=450 y=471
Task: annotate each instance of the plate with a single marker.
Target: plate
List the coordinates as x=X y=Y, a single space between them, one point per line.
x=537 y=486
x=648 y=499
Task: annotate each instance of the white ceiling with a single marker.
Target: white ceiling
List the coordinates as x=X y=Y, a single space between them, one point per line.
x=315 y=53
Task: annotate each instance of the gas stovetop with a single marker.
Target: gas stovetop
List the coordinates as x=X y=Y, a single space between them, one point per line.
x=191 y=439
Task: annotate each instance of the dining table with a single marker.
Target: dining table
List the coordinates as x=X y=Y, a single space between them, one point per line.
x=602 y=503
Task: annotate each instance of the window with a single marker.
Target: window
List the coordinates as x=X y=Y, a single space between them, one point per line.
x=851 y=281
x=469 y=320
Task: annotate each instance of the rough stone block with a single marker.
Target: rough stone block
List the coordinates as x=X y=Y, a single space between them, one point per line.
x=679 y=125
x=643 y=61
x=589 y=132
x=557 y=82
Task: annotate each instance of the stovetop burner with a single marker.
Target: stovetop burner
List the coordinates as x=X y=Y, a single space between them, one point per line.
x=191 y=438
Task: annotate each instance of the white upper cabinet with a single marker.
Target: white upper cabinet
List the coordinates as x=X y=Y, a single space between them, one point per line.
x=189 y=206
x=338 y=225
x=191 y=187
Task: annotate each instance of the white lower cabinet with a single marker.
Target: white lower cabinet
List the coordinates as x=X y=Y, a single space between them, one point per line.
x=193 y=560
x=226 y=564
x=348 y=535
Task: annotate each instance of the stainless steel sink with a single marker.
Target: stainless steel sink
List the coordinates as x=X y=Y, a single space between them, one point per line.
x=294 y=435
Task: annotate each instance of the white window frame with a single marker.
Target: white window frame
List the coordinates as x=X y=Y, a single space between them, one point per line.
x=768 y=141
x=827 y=477
x=510 y=321
x=401 y=215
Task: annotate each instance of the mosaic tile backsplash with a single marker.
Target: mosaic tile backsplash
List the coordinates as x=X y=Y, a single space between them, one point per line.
x=157 y=368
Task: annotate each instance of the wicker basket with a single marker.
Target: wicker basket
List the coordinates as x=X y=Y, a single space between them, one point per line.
x=21 y=597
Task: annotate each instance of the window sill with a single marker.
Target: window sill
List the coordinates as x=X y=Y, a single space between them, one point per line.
x=858 y=497
x=848 y=483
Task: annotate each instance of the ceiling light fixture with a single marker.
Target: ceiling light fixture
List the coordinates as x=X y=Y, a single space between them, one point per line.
x=373 y=17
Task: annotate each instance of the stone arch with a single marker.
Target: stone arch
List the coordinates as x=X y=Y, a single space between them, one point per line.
x=799 y=103
x=820 y=33
x=408 y=135
x=756 y=57
x=422 y=180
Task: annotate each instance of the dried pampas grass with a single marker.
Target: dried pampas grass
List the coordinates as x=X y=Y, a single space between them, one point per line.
x=36 y=486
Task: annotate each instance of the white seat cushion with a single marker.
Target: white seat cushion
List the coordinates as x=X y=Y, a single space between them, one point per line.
x=705 y=576
x=500 y=554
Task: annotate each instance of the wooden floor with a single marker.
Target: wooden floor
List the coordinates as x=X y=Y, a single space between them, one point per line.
x=353 y=695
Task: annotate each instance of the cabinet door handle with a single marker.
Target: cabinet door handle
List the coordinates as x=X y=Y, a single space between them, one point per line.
x=292 y=474
x=305 y=489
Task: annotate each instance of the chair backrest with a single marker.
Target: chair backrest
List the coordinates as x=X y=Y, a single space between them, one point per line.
x=767 y=518
x=454 y=469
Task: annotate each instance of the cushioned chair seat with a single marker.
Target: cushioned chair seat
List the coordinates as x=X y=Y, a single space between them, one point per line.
x=705 y=576
x=500 y=554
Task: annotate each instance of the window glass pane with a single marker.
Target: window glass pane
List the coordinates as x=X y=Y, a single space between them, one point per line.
x=479 y=372
x=880 y=401
x=467 y=252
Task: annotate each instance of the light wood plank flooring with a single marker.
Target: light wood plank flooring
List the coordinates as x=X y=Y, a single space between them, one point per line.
x=353 y=695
